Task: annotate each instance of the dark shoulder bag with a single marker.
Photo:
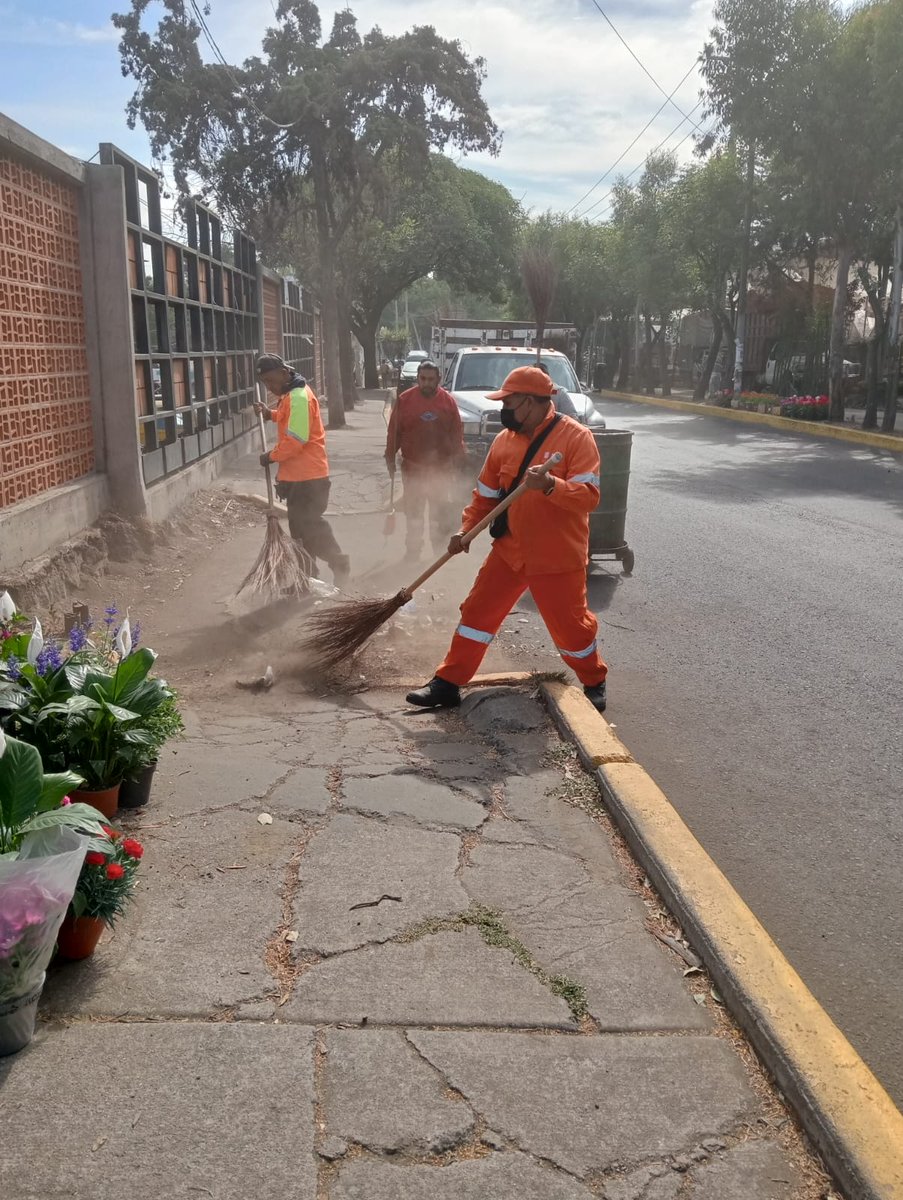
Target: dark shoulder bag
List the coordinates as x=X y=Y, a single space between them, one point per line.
x=499 y=526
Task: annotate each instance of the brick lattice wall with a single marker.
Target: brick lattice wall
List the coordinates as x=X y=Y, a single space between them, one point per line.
x=46 y=433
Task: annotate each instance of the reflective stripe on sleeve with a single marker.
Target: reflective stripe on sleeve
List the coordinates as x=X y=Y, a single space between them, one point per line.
x=474 y=635
x=590 y=649
x=586 y=477
x=488 y=492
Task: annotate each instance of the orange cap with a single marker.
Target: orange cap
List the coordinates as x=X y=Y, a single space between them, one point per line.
x=528 y=381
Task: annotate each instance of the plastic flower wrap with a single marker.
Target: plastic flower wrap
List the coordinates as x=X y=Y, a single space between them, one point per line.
x=36 y=887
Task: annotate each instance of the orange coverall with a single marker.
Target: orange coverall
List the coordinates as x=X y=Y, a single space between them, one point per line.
x=545 y=551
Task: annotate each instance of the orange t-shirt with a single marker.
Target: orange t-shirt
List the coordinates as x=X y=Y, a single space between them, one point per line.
x=301 y=448
x=547 y=535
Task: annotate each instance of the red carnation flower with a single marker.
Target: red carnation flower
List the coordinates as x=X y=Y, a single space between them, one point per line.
x=115 y=871
x=111 y=833
x=132 y=848
x=95 y=859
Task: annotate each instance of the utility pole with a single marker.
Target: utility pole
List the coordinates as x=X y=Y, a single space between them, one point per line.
x=743 y=299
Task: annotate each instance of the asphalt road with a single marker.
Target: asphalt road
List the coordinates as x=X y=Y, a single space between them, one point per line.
x=757 y=673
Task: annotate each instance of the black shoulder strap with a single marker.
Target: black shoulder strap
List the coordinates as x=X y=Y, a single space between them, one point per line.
x=532 y=450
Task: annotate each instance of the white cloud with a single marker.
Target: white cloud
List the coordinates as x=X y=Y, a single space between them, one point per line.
x=47 y=31
x=565 y=92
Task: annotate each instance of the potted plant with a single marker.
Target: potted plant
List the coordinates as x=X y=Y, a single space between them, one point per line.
x=41 y=856
x=103 y=890
x=163 y=723
x=84 y=714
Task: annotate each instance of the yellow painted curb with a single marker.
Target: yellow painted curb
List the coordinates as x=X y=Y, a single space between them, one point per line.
x=594 y=739
x=861 y=437
x=843 y=1107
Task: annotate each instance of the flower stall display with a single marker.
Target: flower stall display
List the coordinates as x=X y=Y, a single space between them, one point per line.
x=104 y=888
x=41 y=856
x=90 y=705
x=806 y=408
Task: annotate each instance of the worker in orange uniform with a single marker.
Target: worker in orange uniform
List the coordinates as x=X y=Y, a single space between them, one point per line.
x=302 y=480
x=426 y=428
x=543 y=545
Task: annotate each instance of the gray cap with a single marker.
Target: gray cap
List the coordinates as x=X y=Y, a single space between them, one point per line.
x=271 y=362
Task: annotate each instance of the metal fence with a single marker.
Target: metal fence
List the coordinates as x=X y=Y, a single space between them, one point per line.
x=195 y=324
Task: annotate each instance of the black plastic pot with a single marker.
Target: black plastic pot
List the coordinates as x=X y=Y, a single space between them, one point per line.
x=134 y=793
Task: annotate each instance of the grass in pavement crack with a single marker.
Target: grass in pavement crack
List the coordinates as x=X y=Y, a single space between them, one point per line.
x=494 y=932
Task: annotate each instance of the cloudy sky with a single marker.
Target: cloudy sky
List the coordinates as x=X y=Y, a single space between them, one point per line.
x=566 y=93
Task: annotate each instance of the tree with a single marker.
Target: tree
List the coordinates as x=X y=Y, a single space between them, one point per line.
x=310 y=125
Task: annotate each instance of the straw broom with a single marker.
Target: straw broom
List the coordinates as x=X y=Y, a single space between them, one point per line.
x=282 y=565
x=338 y=633
x=539 y=272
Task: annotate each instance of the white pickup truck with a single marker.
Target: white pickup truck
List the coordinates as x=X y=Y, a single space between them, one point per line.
x=480 y=369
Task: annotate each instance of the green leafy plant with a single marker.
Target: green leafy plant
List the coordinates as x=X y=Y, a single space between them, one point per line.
x=86 y=715
x=31 y=801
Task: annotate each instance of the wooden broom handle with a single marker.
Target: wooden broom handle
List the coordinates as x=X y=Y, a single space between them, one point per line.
x=468 y=537
x=263 y=447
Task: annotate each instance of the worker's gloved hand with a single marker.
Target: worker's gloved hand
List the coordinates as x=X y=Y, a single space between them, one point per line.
x=457 y=545
x=265 y=459
x=260 y=407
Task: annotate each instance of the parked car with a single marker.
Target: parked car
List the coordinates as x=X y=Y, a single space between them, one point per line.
x=407 y=376
x=474 y=372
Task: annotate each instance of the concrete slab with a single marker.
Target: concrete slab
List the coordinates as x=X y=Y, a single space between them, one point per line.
x=430 y=803
x=193 y=942
x=750 y=1171
x=591 y=932
x=304 y=791
x=198 y=776
x=174 y=1110
x=379 y=1093
x=499 y=1177
x=449 y=750
x=586 y=1104
x=401 y=873
x=495 y=712
x=657 y=1182
x=442 y=979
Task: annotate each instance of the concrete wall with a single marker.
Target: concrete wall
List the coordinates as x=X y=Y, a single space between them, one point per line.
x=33 y=527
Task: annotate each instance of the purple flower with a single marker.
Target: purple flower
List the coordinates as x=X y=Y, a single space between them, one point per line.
x=12 y=666
x=136 y=635
x=111 y=613
x=78 y=638
x=49 y=659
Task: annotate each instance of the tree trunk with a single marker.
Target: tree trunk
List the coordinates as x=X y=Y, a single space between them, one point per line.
x=648 y=379
x=637 y=348
x=366 y=335
x=711 y=358
x=743 y=301
x=346 y=358
x=872 y=382
x=664 y=372
x=838 y=330
x=329 y=296
x=893 y=341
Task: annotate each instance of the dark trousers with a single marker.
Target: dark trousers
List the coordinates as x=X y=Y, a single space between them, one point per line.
x=306 y=502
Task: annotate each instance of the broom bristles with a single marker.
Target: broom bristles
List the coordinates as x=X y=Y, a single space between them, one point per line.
x=282 y=565
x=340 y=632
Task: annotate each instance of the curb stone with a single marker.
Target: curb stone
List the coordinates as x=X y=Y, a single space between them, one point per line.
x=838 y=433
x=849 y=1116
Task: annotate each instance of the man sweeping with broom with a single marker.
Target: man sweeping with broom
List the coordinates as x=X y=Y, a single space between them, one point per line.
x=303 y=476
x=541 y=544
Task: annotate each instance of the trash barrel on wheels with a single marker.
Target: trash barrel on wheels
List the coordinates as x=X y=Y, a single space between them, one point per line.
x=607 y=523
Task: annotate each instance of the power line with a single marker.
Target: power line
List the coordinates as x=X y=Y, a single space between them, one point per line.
x=621 y=157
x=211 y=42
x=639 y=61
x=599 y=216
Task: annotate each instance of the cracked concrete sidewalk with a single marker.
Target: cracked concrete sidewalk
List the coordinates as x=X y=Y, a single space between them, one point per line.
x=426 y=977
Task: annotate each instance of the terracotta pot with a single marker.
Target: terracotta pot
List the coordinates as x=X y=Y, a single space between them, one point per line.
x=133 y=793
x=105 y=801
x=78 y=936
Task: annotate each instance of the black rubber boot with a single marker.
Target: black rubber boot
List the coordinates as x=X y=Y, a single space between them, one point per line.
x=596 y=696
x=438 y=693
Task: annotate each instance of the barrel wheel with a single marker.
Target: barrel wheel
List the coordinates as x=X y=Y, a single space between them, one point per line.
x=627 y=561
